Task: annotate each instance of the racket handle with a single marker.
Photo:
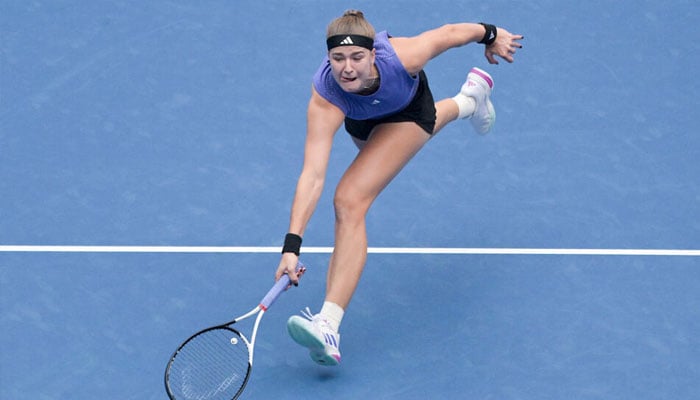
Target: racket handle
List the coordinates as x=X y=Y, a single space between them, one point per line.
x=280 y=286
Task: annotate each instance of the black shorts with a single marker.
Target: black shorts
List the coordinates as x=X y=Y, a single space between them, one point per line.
x=420 y=110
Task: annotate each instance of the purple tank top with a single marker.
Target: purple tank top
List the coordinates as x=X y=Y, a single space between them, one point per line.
x=396 y=88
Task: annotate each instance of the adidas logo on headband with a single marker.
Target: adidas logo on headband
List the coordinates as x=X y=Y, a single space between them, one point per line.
x=350 y=40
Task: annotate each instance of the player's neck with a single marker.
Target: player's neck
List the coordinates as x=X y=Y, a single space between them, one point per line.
x=371 y=85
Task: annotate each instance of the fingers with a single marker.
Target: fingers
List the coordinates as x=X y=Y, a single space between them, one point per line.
x=508 y=56
x=294 y=277
x=278 y=274
x=490 y=57
x=287 y=266
x=504 y=48
x=514 y=44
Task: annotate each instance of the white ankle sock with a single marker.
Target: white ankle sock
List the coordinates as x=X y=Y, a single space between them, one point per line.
x=466 y=105
x=333 y=313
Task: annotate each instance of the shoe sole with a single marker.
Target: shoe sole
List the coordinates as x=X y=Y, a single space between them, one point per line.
x=492 y=112
x=486 y=77
x=324 y=359
x=317 y=349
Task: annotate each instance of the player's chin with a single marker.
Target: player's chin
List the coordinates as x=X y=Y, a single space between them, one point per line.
x=350 y=85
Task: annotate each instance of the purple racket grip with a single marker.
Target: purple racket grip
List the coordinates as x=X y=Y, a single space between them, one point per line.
x=280 y=286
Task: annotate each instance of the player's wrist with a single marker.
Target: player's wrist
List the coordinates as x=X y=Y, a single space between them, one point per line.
x=292 y=243
x=489 y=35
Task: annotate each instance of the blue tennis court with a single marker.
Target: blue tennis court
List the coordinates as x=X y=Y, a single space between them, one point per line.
x=156 y=146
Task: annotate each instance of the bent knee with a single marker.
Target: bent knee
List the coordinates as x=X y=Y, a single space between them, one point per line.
x=349 y=205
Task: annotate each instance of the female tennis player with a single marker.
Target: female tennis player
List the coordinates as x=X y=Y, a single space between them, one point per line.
x=375 y=84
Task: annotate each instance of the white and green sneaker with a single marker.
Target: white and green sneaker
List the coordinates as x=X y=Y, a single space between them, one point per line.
x=314 y=333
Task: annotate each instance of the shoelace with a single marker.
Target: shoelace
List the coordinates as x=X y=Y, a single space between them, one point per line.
x=317 y=319
x=307 y=314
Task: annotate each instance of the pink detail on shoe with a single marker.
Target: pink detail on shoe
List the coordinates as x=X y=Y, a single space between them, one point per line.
x=484 y=75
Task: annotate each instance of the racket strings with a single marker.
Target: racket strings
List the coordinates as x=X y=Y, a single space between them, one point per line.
x=213 y=365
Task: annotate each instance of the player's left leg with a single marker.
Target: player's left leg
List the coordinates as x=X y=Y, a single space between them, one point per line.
x=387 y=151
x=380 y=159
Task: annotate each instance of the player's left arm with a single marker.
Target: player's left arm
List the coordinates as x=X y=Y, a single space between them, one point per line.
x=415 y=52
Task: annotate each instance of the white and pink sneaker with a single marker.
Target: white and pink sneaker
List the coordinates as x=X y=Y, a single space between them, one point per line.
x=478 y=86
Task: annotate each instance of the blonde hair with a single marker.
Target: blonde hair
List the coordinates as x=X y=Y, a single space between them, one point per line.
x=352 y=22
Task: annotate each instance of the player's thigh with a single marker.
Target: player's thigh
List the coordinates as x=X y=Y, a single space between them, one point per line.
x=390 y=147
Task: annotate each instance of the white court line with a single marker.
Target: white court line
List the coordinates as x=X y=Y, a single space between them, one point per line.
x=319 y=250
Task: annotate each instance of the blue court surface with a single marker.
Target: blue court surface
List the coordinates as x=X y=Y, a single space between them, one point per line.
x=180 y=125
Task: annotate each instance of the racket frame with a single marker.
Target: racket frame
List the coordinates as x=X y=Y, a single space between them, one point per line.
x=280 y=286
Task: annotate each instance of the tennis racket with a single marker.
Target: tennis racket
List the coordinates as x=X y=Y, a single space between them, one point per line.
x=215 y=363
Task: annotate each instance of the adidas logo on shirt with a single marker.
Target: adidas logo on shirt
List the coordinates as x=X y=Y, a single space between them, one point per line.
x=347 y=41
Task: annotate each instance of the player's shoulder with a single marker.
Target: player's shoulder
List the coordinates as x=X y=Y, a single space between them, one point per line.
x=413 y=51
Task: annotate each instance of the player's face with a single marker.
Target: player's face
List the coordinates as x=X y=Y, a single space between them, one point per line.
x=352 y=66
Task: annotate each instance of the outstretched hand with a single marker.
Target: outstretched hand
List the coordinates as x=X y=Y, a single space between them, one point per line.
x=504 y=47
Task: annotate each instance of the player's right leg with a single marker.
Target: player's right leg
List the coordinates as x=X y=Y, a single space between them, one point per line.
x=473 y=102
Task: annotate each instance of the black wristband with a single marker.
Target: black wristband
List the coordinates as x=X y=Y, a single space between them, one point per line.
x=292 y=243
x=489 y=35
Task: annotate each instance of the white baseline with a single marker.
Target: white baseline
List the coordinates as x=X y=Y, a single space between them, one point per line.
x=322 y=250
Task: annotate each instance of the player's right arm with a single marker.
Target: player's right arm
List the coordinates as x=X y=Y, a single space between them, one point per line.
x=323 y=121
